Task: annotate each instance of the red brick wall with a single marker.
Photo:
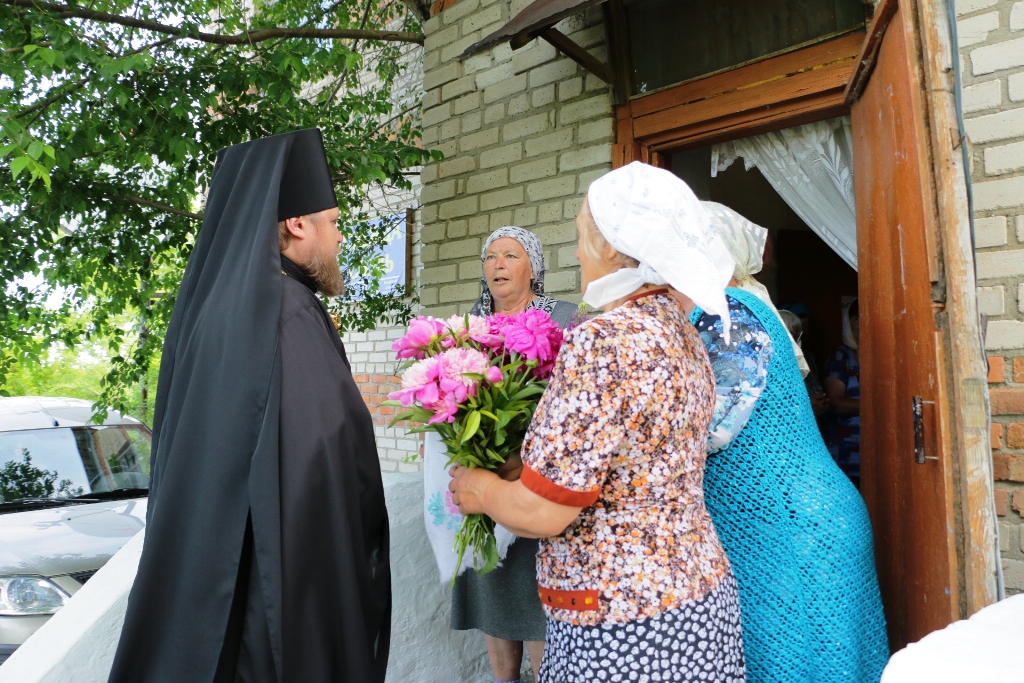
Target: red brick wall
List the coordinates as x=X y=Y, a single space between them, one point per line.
x=375 y=390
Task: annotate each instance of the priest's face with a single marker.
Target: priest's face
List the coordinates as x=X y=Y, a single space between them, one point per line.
x=322 y=263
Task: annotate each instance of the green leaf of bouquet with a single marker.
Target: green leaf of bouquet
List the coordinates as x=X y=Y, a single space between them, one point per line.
x=532 y=389
x=472 y=425
x=489 y=414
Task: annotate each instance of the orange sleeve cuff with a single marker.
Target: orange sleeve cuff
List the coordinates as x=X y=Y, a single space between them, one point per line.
x=547 y=489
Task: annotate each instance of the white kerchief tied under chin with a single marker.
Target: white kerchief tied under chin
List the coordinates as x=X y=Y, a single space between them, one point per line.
x=653 y=216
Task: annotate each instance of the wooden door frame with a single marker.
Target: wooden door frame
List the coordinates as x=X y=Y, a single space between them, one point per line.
x=809 y=85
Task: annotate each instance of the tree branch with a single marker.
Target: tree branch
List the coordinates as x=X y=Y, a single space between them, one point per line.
x=245 y=38
x=131 y=199
x=71 y=87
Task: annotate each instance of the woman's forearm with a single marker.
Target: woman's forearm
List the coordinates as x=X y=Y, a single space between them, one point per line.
x=523 y=512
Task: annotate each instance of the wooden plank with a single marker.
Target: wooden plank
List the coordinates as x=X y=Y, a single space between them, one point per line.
x=577 y=54
x=969 y=409
x=777 y=117
x=869 y=50
x=615 y=23
x=807 y=59
x=800 y=85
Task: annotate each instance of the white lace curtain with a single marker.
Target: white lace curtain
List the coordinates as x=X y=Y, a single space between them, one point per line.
x=811 y=167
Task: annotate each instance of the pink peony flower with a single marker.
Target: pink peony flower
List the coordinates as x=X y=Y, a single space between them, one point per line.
x=458 y=364
x=494 y=374
x=533 y=335
x=444 y=409
x=479 y=330
x=422 y=332
x=420 y=382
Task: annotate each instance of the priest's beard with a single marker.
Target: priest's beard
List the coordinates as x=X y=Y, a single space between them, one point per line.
x=324 y=269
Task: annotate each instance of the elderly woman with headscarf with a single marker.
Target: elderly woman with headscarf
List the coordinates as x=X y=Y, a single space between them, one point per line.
x=795 y=529
x=503 y=604
x=630 y=571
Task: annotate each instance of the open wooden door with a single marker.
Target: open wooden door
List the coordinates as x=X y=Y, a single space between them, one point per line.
x=906 y=463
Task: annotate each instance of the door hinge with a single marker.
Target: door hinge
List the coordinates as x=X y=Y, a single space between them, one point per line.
x=917 y=404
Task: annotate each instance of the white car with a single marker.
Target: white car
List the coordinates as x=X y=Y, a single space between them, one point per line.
x=71 y=494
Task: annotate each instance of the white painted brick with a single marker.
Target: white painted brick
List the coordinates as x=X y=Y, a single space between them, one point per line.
x=500 y=73
x=543 y=96
x=525 y=216
x=480 y=139
x=459 y=10
x=1004 y=159
x=555 y=187
x=469 y=102
x=525 y=127
x=553 y=72
x=494 y=113
x=501 y=198
x=501 y=155
x=1001 y=126
x=1020 y=229
x=437 y=115
x=552 y=142
x=459 y=86
x=505 y=88
x=1017 y=16
x=472 y=121
x=591 y=176
x=377 y=335
x=1004 y=55
x=560 y=282
x=520 y=104
x=570 y=88
x=567 y=257
x=585 y=158
x=1020 y=297
x=969 y=31
x=968 y=6
x=589 y=36
x=996 y=264
x=438 y=191
x=451 y=52
x=481 y=19
x=982 y=96
x=458 y=208
x=534 y=170
x=1003 y=334
x=460 y=249
x=396 y=332
x=450 y=167
x=438 y=39
x=990 y=232
x=471 y=270
x=586 y=109
x=595 y=130
x=380 y=358
x=1015 y=87
x=477 y=63
x=992 y=300
x=491 y=180
x=999 y=194
x=441 y=75
x=449 y=129
x=525 y=59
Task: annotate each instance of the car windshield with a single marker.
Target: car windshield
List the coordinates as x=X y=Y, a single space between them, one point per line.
x=67 y=462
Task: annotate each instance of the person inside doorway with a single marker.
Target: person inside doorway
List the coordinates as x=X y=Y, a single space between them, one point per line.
x=842 y=385
x=815 y=392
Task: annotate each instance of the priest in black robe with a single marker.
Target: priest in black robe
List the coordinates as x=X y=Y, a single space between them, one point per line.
x=266 y=555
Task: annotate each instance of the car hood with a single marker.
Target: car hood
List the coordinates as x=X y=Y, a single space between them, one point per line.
x=64 y=540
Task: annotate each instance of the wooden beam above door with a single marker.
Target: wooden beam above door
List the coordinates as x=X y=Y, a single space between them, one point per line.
x=787 y=90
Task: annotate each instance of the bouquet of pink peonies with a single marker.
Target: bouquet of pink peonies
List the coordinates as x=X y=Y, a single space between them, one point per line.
x=476 y=382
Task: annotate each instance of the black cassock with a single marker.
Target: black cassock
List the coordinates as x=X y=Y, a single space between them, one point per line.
x=266 y=555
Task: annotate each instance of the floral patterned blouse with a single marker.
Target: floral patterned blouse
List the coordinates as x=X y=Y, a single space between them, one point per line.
x=622 y=432
x=741 y=370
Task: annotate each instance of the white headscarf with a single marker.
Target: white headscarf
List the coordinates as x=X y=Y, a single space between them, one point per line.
x=651 y=215
x=745 y=242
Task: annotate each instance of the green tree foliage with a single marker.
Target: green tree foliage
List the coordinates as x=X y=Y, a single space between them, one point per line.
x=111 y=114
x=20 y=480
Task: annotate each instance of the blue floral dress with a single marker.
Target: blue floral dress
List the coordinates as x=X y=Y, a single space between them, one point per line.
x=844 y=430
x=741 y=370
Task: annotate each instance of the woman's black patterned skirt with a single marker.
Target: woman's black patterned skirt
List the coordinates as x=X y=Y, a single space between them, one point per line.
x=698 y=641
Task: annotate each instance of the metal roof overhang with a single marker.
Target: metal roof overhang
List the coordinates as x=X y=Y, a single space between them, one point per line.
x=537 y=20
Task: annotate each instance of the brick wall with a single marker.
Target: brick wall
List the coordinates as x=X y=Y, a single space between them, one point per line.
x=523 y=135
x=991 y=36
